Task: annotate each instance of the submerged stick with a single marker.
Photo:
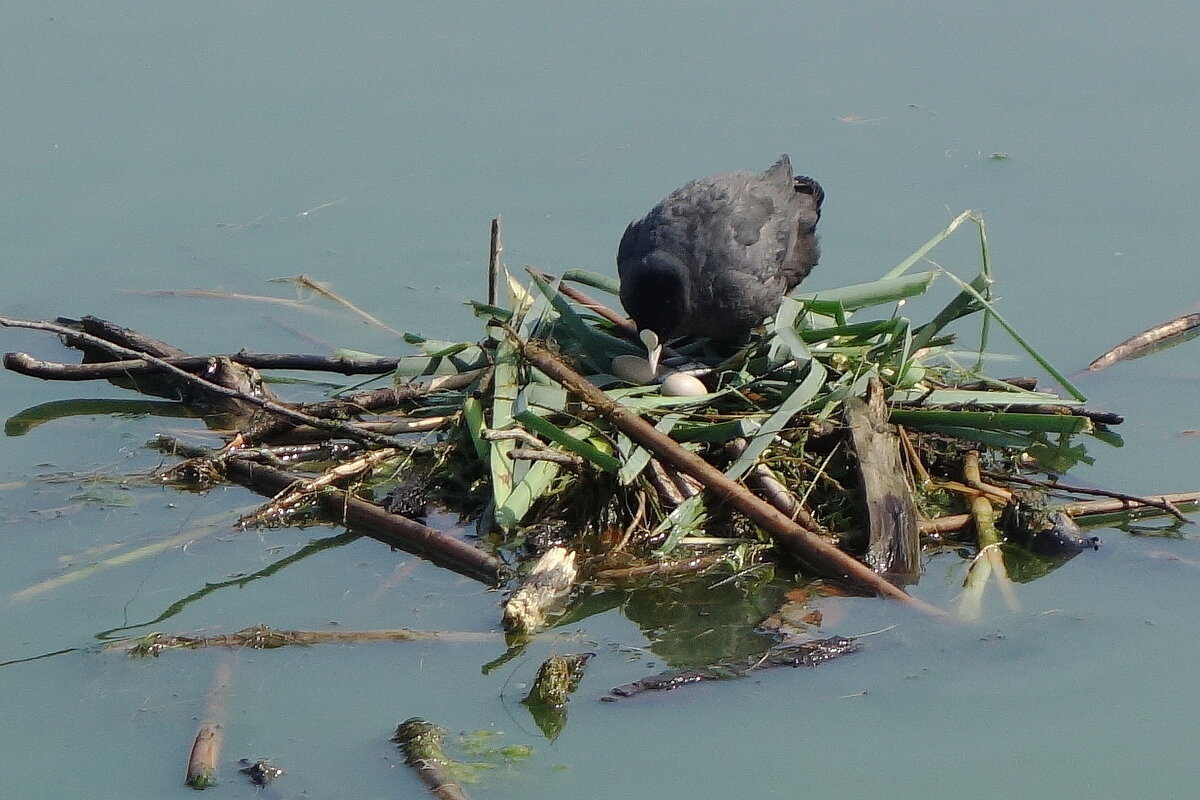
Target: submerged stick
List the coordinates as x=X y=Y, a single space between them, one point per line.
x=319 y=288
x=1146 y=341
x=801 y=543
x=262 y=637
x=206 y=749
x=423 y=746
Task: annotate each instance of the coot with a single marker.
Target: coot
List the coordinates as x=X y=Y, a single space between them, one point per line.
x=717 y=256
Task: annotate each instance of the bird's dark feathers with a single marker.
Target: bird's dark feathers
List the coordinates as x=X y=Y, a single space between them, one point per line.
x=716 y=256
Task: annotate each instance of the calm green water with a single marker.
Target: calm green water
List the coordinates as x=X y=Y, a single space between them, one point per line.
x=158 y=146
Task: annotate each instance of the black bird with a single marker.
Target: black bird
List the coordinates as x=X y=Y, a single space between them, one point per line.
x=716 y=256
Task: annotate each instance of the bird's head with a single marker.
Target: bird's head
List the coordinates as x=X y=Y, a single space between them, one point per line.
x=655 y=291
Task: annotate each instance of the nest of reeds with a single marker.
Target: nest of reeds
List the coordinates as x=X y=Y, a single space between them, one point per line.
x=842 y=438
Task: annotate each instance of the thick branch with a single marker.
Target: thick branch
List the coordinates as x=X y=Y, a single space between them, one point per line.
x=369 y=519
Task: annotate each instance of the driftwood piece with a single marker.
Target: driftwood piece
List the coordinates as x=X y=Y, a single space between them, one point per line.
x=1159 y=501
x=206 y=748
x=379 y=524
x=805 y=654
x=695 y=565
x=548 y=583
x=423 y=746
x=204 y=755
x=894 y=548
x=115 y=334
x=801 y=543
x=372 y=400
x=1147 y=341
x=103 y=342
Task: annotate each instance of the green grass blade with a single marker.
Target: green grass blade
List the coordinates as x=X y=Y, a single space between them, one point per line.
x=965 y=397
x=963 y=304
x=989 y=420
x=1034 y=354
x=922 y=251
x=594 y=351
x=504 y=396
x=597 y=281
x=578 y=446
x=687 y=518
x=527 y=491
x=786 y=345
x=875 y=293
x=800 y=397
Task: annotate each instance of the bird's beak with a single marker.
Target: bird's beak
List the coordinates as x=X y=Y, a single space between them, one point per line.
x=653 y=349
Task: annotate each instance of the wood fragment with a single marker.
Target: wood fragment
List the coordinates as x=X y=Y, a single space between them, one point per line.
x=547 y=584
x=804 y=544
x=203 y=758
x=1155 y=504
x=553 y=456
x=557 y=679
x=206 y=748
x=26 y=364
x=495 y=266
x=1147 y=340
x=809 y=653
x=423 y=745
x=666 y=489
x=895 y=544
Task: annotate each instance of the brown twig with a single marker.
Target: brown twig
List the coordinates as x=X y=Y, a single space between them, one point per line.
x=26 y=364
x=309 y=283
x=663 y=569
x=340 y=428
x=591 y=304
x=953 y=523
x=553 y=456
x=1157 y=501
x=804 y=544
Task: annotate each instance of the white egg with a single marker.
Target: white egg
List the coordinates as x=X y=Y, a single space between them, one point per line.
x=633 y=369
x=680 y=384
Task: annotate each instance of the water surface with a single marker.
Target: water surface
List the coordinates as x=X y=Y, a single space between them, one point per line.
x=161 y=147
